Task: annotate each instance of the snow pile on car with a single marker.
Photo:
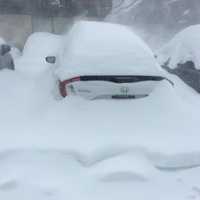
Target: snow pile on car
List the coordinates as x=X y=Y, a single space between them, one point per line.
x=38 y=46
x=182 y=48
x=93 y=48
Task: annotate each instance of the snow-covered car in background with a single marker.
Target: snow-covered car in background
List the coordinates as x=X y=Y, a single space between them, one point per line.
x=181 y=56
x=6 y=60
x=38 y=46
x=102 y=60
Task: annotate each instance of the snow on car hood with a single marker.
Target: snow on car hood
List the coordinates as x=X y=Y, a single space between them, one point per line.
x=94 y=48
x=183 y=47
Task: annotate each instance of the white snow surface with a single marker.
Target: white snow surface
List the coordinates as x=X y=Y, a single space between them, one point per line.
x=104 y=149
x=183 y=47
x=96 y=48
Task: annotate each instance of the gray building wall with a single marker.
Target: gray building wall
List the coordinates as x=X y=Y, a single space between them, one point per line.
x=55 y=25
x=20 y=18
x=15 y=29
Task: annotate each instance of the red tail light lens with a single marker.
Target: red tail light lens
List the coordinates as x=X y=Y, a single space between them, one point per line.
x=63 y=84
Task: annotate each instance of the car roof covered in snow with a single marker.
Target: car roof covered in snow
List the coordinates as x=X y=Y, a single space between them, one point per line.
x=41 y=44
x=97 y=48
x=185 y=46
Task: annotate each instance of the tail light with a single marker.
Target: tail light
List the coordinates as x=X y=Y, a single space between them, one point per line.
x=63 y=85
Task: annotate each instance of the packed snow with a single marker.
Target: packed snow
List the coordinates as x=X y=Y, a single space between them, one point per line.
x=79 y=149
x=182 y=48
x=112 y=50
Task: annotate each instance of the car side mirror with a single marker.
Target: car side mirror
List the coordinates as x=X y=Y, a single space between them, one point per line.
x=51 y=59
x=5 y=49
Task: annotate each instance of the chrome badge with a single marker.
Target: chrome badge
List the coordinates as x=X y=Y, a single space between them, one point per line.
x=124 y=90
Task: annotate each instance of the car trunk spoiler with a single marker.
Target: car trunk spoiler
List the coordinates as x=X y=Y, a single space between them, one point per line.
x=113 y=78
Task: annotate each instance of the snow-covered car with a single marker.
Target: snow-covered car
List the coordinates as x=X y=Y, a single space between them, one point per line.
x=6 y=60
x=38 y=46
x=181 y=56
x=102 y=60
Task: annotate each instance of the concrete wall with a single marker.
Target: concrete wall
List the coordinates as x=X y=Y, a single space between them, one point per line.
x=16 y=28
x=56 y=25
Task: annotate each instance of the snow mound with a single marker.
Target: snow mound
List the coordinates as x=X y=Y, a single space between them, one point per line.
x=96 y=48
x=38 y=46
x=44 y=175
x=124 y=167
x=182 y=48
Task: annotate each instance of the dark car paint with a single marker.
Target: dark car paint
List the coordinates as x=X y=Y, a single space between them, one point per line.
x=6 y=60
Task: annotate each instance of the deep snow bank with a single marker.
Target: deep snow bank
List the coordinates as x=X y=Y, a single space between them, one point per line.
x=96 y=149
x=47 y=175
x=33 y=118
